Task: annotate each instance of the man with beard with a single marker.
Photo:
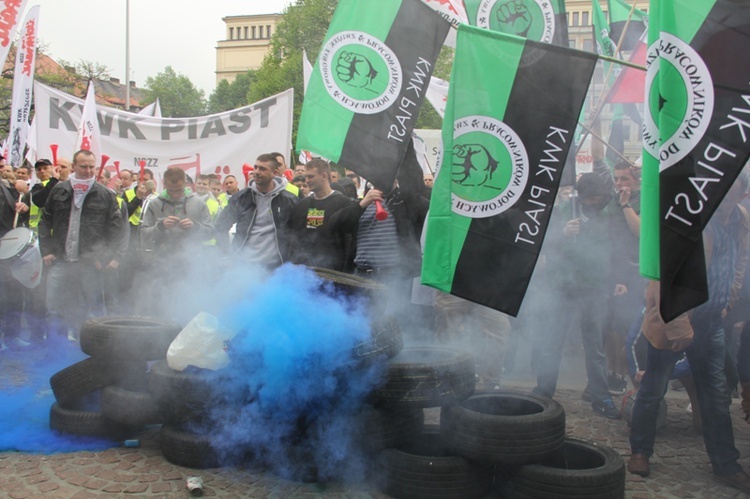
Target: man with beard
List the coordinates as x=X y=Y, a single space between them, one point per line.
x=579 y=266
x=80 y=233
x=261 y=212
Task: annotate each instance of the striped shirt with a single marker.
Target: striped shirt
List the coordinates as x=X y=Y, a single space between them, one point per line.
x=377 y=242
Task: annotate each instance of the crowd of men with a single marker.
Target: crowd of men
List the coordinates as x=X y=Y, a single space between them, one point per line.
x=102 y=238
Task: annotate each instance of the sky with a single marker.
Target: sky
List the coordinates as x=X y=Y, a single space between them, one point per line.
x=178 y=33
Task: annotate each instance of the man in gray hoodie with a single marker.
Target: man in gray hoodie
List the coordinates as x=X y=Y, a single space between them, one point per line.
x=261 y=213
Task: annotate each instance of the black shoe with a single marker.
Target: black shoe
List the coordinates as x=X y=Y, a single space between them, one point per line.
x=606 y=408
x=739 y=480
x=616 y=383
x=586 y=395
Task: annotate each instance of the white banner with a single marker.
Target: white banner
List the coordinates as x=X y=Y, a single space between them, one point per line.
x=218 y=143
x=10 y=14
x=307 y=69
x=23 y=80
x=454 y=12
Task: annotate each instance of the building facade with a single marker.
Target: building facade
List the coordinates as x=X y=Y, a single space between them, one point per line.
x=247 y=42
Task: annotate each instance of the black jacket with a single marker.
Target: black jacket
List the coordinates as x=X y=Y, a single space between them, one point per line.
x=8 y=200
x=101 y=223
x=241 y=210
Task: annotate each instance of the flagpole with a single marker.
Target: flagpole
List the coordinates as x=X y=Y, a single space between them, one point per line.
x=597 y=137
x=600 y=107
x=127 y=55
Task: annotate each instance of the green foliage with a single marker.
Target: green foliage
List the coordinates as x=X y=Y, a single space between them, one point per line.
x=303 y=26
x=228 y=96
x=176 y=93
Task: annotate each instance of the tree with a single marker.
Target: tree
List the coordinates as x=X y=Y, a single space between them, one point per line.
x=303 y=26
x=92 y=70
x=228 y=96
x=176 y=93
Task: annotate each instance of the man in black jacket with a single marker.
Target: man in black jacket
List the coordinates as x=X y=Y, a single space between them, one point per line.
x=261 y=212
x=80 y=233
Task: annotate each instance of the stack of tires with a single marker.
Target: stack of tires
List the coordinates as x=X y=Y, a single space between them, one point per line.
x=106 y=394
x=188 y=401
x=513 y=440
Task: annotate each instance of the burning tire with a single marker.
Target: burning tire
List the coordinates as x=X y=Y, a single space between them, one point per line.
x=426 y=377
x=188 y=449
x=87 y=423
x=130 y=407
x=504 y=427
x=89 y=375
x=577 y=469
x=128 y=338
x=425 y=469
x=386 y=341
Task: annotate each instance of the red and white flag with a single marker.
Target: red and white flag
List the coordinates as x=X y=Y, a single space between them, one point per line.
x=454 y=12
x=10 y=15
x=23 y=84
x=437 y=94
x=630 y=86
x=89 y=137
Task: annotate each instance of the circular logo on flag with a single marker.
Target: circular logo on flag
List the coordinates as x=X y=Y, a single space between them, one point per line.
x=360 y=72
x=674 y=123
x=532 y=19
x=490 y=167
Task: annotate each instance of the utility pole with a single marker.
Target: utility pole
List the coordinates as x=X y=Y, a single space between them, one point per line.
x=127 y=55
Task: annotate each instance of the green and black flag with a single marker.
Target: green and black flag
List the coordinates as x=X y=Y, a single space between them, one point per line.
x=512 y=111
x=698 y=129
x=619 y=10
x=537 y=20
x=368 y=84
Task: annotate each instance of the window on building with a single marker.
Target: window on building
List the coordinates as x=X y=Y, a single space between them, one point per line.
x=231 y=33
x=571 y=43
x=253 y=32
x=268 y=31
x=260 y=31
x=588 y=45
x=245 y=32
x=585 y=19
x=575 y=18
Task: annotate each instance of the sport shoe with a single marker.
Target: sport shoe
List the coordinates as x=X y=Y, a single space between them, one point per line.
x=739 y=480
x=606 y=408
x=616 y=383
x=18 y=343
x=72 y=336
x=638 y=465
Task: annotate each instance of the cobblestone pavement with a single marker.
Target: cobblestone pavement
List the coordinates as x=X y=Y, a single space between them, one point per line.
x=680 y=466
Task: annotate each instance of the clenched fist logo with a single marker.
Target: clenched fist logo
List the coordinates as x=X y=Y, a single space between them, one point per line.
x=472 y=164
x=515 y=16
x=355 y=69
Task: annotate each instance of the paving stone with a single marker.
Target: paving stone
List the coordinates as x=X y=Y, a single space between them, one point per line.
x=161 y=487
x=136 y=488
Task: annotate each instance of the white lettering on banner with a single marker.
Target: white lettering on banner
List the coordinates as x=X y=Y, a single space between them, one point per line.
x=712 y=164
x=541 y=198
x=405 y=111
x=219 y=143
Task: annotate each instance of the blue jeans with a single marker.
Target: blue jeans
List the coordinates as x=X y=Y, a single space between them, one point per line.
x=73 y=290
x=706 y=356
x=584 y=308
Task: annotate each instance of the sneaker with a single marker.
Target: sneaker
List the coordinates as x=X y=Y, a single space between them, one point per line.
x=71 y=336
x=616 y=383
x=676 y=385
x=18 y=343
x=606 y=408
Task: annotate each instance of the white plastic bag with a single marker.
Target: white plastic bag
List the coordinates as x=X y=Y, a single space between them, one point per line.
x=200 y=344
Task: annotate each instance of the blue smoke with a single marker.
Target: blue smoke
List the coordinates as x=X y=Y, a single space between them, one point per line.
x=26 y=398
x=294 y=368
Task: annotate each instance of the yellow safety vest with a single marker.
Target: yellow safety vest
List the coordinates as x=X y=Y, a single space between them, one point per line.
x=34 y=212
x=135 y=217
